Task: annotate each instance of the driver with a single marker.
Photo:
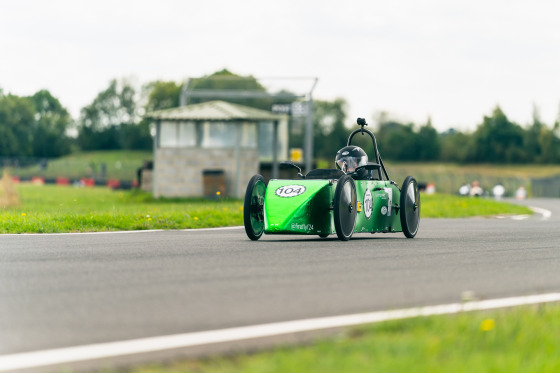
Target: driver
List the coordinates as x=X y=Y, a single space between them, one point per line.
x=349 y=158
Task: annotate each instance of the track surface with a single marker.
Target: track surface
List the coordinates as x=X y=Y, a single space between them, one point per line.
x=67 y=290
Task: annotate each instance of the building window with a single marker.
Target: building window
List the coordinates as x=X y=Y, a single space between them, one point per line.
x=266 y=134
x=177 y=134
x=186 y=134
x=219 y=135
x=249 y=135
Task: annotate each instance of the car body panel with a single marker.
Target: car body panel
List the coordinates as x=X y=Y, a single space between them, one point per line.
x=299 y=206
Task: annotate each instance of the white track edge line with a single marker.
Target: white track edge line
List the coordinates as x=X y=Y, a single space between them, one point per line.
x=545 y=213
x=59 y=356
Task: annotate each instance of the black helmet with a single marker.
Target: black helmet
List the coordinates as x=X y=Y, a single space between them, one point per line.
x=349 y=158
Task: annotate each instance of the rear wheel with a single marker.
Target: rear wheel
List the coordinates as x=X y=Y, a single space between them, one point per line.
x=344 y=205
x=253 y=208
x=410 y=207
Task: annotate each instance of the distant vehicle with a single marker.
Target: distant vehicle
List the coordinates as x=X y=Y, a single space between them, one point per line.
x=356 y=197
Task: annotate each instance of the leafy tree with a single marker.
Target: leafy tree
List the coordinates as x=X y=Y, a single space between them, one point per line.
x=52 y=121
x=329 y=129
x=549 y=145
x=162 y=95
x=497 y=140
x=111 y=120
x=428 y=143
x=531 y=144
x=112 y=107
x=397 y=141
x=454 y=146
x=17 y=123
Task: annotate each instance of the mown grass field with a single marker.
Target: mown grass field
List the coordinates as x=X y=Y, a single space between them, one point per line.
x=523 y=339
x=118 y=165
x=50 y=209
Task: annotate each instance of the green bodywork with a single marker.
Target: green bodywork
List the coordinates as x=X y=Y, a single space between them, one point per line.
x=305 y=207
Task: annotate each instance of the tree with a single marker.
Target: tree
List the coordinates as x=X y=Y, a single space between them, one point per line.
x=112 y=107
x=549 y=145
x=162 y=95
x=52 y=121
x=397 y=141
x=454 y=146
x=111 y=120
x=329 y=129
x=17 y=123
x=428 y=143
x=497 y=140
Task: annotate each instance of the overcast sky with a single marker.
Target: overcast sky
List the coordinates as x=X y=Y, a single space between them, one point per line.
x=451 y=60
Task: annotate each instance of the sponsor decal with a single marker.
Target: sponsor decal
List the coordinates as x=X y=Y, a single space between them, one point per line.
x=389 y=192
x=303 y=226
x=368 y=204
x=290 y=190
x=383 y=210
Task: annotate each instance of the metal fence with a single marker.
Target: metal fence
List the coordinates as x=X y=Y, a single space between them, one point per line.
x=546 y=187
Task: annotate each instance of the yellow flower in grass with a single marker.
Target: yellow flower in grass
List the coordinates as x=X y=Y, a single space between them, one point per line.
x=23 y=214
x=196 y=218
x=218 y=193
x=487 y=325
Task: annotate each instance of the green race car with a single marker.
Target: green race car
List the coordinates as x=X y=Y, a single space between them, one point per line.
x=356 y=197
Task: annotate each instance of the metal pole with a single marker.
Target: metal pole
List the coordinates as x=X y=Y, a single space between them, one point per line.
x=275 y=150
x=308 y=147
x=155 y=190
x=238 y=129
x=183 y=99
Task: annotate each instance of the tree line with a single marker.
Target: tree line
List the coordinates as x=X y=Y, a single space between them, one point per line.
x=39 y=126
x=495 y=140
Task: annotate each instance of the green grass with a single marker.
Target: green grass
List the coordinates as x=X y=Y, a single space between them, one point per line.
x=524 y=339
x=450 y=206
x=47 y=209
x=119 y=165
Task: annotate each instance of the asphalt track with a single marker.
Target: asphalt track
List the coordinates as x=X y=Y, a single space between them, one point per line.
x=67 y=290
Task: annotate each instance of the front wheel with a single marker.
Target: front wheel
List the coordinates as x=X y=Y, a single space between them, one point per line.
x=344 y=207
x=253 y=208
x=410 y=207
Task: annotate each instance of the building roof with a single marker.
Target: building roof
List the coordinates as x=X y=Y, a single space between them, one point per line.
x=213 y=111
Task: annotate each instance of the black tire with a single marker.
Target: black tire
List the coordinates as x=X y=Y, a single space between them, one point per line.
x=344 y=204
x=410 y=207
x=253 y=208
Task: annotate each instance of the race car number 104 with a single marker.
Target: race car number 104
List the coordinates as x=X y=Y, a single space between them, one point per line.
x=290 y=191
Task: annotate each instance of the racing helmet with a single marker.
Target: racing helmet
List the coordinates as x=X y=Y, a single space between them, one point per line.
x=349 y=158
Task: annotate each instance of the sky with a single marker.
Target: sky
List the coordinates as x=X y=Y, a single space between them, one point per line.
x=450 y=61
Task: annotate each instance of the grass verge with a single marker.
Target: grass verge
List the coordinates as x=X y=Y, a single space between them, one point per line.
x=523 y=339
x=50 y=209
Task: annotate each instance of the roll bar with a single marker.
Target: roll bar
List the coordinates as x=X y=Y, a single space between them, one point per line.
x=362 y=123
